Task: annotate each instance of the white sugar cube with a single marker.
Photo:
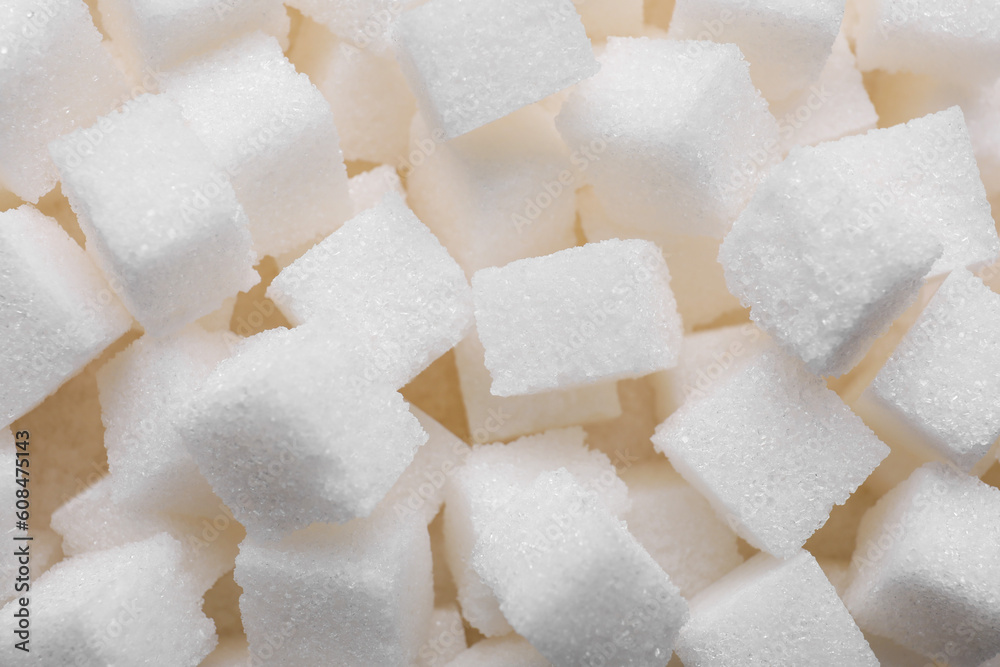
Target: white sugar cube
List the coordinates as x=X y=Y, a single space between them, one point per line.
x=288 y=433
x=490 y=475
x=501 y=652
x=823 y=264
x=939 y=381
x=706 y=358
x=786 y=42
x=384 y=280
x=361 y=592
x=926 y=169
x=948 y=40
x=153 y=36
x=422 y=486
x=927 y=567
x=696 y=277
x=58 y=311
x=91 y=521
x=446 y=639
x=493 y=418
x=772 y=612
x=116 y=607
x=678 y=528
x=55 y=76
x=500 y=193
x=599 y=312
x=161 y=219
x=772 y=449
x=368 y=188
x=362 y=25
x=144 y=391
x=835 y=106
x=470 y=62
x=684 y=136
x=264 y=123
x=573 y=581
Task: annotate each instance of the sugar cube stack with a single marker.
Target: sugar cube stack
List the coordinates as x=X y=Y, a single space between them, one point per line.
x=772 y=449
x=600 y=312
x=59 y=312
x=265 y=123
x=430 y=333
x=161 y=218
x=56 y=76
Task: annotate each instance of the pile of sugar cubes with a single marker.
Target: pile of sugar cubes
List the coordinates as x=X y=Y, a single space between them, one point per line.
x=500 y=333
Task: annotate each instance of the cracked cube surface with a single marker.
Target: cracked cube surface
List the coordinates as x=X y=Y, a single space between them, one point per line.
x=599 y=312
x=174 y=243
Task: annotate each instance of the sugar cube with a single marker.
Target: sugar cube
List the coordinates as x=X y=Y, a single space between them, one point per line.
x=786 y=42
x=939 y=381
x=421 y=487
x=150 y=35
x=490 y=475
x=499 y=193
x=144 y=391
x=835 y=106
x=265 y=123
x=573 y=581
x=368 y=188
x=950 y=41
x=706 y=357
x=59 y=313
x=470 y=62
x=492 y=418
x=385 y=280
x=446 y=639
x=822 y=263
x=927 y=567
x=772 y=612
x=371 y=102
x=683 y=137
x=116 y=607
x=160 y=218
x=599 y=312
x=772 y=449
x=696 y=277
x=363 y=25
x=92 y=521
x=500 y=652
x=678 y=528
x=361 y=592
x=56 y=76
x=287 y=433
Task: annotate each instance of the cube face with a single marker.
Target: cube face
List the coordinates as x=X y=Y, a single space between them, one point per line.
x=265 y=123
x=362 y=24
x=786 y=42
x=144 y=391
x=174 y=242
x=328 y=450
x=824 y=266
x=787 y=450
x=384 y=280
x=772 y=612
x=494 y=418
x=56 y=77
x=939 y=379
x=155 y=35
x=684 y=136
x=362 y=592
x=927 y=37
x=926 y=170
x=59 y=311
x=599 y=312
x=457 y=53
x=500 y=193
x=927 y=566
x=564 y=568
